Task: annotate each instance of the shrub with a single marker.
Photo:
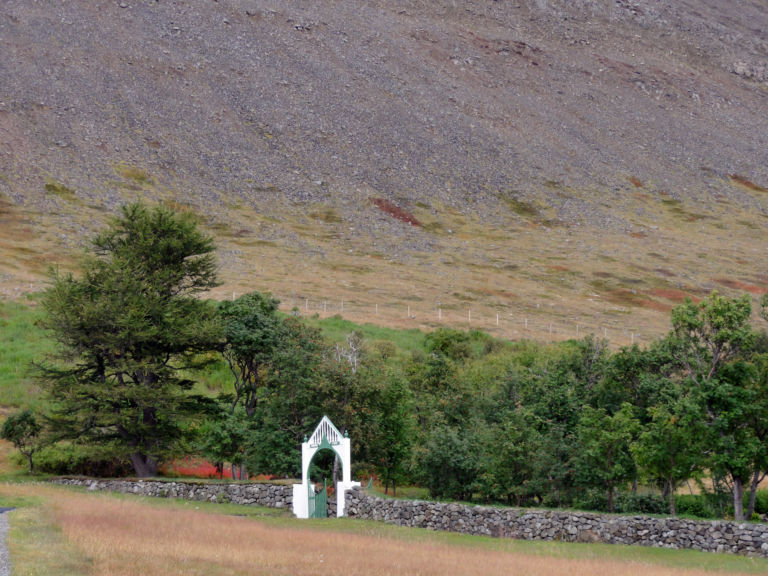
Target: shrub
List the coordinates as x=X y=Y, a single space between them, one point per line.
x=761 y=502
x=77 y=460
x=640 y=504
x=595 y=500
x=698 y=505
x=624 y=503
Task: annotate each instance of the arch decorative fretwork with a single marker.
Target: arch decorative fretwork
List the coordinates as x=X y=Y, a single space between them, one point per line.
x=325 y=437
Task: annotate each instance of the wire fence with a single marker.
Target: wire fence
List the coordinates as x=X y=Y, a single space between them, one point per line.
x=511 y=324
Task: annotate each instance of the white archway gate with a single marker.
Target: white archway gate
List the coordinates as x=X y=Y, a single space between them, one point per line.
x=325 y=437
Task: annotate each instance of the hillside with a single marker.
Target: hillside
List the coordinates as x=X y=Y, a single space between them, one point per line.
x=556 y=162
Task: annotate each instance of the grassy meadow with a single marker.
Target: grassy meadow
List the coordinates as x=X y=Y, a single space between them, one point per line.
x=22 y=342
x=65 y=531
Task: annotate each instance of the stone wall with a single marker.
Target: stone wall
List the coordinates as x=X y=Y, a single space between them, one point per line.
x=524 y=524
x=527 y=524
x=270 y=495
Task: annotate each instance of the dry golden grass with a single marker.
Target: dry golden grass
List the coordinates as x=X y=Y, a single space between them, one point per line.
x=6 y=451
x=126 y=537
x=525 y=269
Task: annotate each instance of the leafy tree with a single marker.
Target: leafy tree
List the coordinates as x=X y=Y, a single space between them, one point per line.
x=603 y=458
x=449 y=463
x=23 y=430
x=640 y=376
x=345 y=389
x=710 y=339
x=394 y=430
x=287 y=404
x=758 y=424
x=710 y=334
x=128 y=327
x=553 y=475
x=737 y=452
x=671 y=447
x=507 y=468
x=223 y=438
x=253 y=332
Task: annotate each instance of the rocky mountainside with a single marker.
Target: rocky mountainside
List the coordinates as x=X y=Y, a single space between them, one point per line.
x=575 y=161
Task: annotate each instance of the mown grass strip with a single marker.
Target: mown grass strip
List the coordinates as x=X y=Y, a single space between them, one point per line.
x=36 y=544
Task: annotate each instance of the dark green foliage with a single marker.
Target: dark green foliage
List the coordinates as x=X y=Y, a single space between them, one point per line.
x=509 y=459
x=287 y=405
x=223 y=438
x=449 y=463
x=624 y=502
x=711 y=341
x=76 y=459
x=23 y=430
x=392 y=431
x=127 y=328
x=253 y=332
x=452 y=344
x=761 y=502
x=697 y=505
x=670 y=447
x=603 y=456
x=629 y=503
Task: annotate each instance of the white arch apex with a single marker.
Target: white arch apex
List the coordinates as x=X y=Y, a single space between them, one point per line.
x=325 y=436
x=326 y=430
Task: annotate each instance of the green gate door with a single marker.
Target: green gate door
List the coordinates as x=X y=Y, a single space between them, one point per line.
x=318 y=502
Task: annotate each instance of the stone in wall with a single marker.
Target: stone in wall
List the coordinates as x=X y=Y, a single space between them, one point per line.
x=719 y=536
x=269 y=495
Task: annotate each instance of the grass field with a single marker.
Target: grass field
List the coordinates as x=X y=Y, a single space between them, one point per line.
x=22 y=342
x=64 y=531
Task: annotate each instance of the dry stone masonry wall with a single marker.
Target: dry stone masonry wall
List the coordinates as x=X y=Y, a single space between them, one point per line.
x=270 y=495
x=525 y=524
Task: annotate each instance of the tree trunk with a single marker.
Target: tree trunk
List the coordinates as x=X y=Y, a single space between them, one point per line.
x=738 y=500
x=753 y=493
x=144 y=466
x=610 y=499
x=671 y=498
x=665 y=490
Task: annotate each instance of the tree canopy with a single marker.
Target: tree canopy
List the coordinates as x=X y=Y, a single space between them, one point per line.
x=128 y=326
